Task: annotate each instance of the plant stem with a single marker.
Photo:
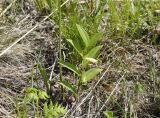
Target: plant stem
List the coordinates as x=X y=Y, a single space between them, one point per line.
x=37 y=108
x=60 y=36
x=79 y=82
x=91 y=5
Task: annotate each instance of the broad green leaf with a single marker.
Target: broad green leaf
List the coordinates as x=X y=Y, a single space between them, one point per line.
x=76 y=46
x=70 y=67
x=68 y=86
x=108 y=114
x=91 y=60
x=95 y=38
x=84 y=35
x=91 y=54
x=88 y=75
x=44 y=76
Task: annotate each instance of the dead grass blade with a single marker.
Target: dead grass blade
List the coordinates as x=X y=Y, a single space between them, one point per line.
x=4 y=51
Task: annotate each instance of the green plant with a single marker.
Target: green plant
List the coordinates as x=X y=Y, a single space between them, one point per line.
x=76 y=13
x=33 y=97
x=88 y=51
x=44 y=77
x=31 y=101
x=83 y=43
x=89 y=18
x=40 y=4
x=108 y=114
x=32 y=93
x=132 y=19
x=53 y=110
x=60 y=38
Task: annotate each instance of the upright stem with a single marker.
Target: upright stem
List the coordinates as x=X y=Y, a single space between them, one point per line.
x=91 y=5
x=37 y=108
x=60 y=37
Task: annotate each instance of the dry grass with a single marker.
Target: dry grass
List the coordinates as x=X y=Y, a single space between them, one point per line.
x=16 y=64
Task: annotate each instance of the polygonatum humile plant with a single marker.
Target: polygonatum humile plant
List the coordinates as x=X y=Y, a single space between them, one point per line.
x=88 y=53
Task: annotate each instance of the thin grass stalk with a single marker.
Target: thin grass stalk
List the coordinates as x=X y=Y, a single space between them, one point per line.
x=91 y=6
x=37 y=109
x=60 y=36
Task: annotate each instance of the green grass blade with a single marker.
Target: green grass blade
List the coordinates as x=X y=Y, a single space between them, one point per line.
x=44 y=76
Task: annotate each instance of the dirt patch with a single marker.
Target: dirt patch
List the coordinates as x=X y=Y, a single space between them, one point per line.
x=17 y=63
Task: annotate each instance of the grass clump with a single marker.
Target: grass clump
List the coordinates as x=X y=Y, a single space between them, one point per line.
x=132 y=19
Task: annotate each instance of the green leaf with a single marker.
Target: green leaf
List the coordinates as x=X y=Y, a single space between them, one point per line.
x=138 y=87
x=45 y=110
x=70 y=67
x=76 y=46
x=68 y=86
x=42 y=95
x=31 y=90
x=51 y=108
x=84 y=35
x=44 y=76
x=103 y=2
x=88 y=75
x=91 y=54
x=98 y=17
x=30 y=94
x=58 y=110
x=91 y=60
x=95 y=38
x=108 y=114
